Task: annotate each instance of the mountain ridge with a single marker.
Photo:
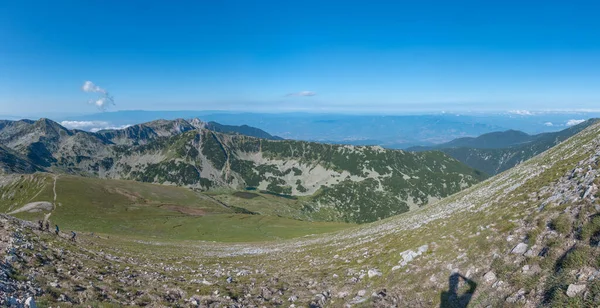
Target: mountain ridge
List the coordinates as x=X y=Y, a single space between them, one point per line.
x=526 y=237
x=336 y=182
x=495 y=158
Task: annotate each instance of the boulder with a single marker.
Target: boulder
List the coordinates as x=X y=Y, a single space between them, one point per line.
x=489 y=277
x=373 y=272
x=520 y=249
x=575 y=289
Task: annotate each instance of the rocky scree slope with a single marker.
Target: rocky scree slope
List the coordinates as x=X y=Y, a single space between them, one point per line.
x=527 y=237
x=499 y=151
x=348 y=183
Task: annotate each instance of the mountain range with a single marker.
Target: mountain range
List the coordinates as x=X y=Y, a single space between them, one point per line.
x=398 y=131
x=496 y=152
x=528 y=237
x=333 y=182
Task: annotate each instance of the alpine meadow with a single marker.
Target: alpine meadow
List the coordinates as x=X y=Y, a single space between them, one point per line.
x=316 y=154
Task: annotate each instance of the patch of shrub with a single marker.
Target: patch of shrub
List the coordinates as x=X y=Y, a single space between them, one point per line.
x=576 y=257
x=532 y=236
x=562 y=224
x=589 y=229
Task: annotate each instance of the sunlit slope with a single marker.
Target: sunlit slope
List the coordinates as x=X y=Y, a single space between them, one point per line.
x=526 y=237
x=141 y=210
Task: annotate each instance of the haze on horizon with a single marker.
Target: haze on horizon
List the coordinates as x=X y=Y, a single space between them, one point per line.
x=380 y=56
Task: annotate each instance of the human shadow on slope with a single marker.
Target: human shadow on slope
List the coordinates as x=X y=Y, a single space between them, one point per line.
x=452 y=298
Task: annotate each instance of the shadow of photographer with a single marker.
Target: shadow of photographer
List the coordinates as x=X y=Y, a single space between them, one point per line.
x=458 y=294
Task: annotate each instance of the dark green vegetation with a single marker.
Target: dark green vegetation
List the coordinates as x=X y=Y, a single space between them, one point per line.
x=11 y=162
x=496 y=152
x=336 y=182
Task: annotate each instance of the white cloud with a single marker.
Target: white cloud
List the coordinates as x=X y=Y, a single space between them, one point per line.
x=103 y=101
x=84 y=125
x=574 y=122
x=548 y=124
x=303 y=93
x=521 y=112
x=89 y=86
x=92 y=126
x=95 y=129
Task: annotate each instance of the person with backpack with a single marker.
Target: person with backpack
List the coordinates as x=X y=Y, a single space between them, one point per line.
x=57 y=230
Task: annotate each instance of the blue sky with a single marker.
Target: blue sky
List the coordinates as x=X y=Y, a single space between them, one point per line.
x=251 y=55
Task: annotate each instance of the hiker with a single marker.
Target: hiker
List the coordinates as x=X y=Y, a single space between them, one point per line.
x=47 y=226
x=56 y=230
x=41 y=225
x=73 y=235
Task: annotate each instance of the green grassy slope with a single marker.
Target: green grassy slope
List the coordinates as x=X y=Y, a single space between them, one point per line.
x=141 y=210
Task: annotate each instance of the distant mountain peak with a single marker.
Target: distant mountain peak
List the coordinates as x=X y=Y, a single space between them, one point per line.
x=197 y=123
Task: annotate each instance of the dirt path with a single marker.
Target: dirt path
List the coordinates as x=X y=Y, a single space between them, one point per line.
x=54 y=189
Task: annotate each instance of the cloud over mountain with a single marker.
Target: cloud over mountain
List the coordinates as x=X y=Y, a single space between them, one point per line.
x=574 y=122
x=92 y=126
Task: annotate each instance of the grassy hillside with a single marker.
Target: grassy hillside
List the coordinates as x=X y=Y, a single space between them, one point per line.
x=525 y=238
x=140 y=210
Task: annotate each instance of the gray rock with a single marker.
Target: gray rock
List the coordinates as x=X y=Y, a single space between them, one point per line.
x=575 y=289
x=535 y=268
x=373 y=272
x=489 y=277
x=520 y=249
x=358 y=300
x=517 y=297
x=530 y=253
x=266 y=294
